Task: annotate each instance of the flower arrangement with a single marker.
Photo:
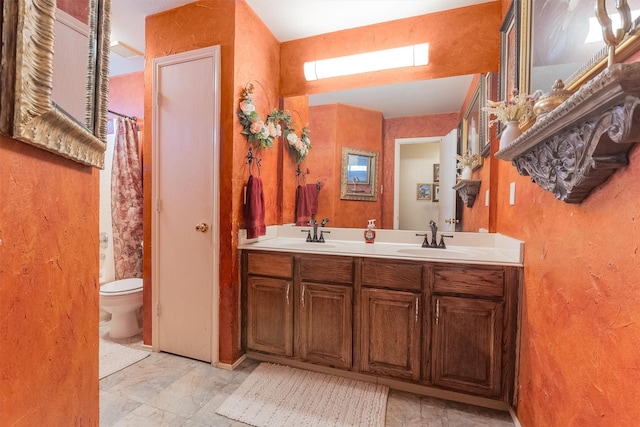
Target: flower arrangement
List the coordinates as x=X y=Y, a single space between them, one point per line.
x=467 y=160
x=300 y=145
x=519 y=108
x=263 y=133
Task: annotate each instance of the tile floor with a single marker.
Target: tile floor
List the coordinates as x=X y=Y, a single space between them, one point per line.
x=168 y=390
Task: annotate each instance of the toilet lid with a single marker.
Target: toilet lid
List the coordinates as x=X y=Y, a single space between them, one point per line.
x=122 y=286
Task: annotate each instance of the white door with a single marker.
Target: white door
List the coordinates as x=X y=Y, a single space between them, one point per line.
x=185 y=216
x=447 y=204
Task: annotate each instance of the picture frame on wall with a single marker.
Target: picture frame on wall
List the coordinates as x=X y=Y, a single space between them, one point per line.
x=423 y=191
x=436 y=172
x=473 y=128
x=436 y=192
x=489 y=93
x=509 y=60
x=460 y=143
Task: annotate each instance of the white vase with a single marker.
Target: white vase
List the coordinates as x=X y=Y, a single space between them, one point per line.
x=466 y=172
x=509 y=134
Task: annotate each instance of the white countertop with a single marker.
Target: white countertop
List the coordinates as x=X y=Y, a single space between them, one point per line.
x=467 y=248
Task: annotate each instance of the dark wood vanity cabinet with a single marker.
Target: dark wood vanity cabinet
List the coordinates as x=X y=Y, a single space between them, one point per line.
x=391 y=318
x=300 y=306
x=269 y=302
x=474 y=328
x=448 y=326
x=325 y=332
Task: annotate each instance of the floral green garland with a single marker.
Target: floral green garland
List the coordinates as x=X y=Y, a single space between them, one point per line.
x=262 y=133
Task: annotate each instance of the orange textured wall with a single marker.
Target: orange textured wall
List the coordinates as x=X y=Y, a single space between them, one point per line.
x=579 y=361
x=461 y=41
x=126 y=95
x=322 y=157
x=249 y=52
x=48 y=289
x=407 y=127
x=336 y=126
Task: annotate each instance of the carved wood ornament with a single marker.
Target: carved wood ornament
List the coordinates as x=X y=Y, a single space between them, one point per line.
x=578 y=145
x=468 y=190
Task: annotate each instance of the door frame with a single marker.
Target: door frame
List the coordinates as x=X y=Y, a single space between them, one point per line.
x=396 y=170
x=157 y=64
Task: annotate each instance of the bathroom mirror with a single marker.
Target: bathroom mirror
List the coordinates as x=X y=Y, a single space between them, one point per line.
x=28 y=112
x=563 y=40
x=359 y=174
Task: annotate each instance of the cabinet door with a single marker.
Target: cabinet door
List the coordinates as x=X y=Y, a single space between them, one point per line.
x=270 y=315
x=390 y=333
x=326 y=324
x=467 y=339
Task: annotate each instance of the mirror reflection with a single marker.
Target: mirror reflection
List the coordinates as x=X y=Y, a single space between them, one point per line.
x=73 y=65
x=359 y=174
x=566 y=39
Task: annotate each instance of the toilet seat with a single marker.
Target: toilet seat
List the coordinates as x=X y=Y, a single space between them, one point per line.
x=122 y=287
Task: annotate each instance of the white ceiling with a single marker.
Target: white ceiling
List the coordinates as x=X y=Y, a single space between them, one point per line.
x=294 y=19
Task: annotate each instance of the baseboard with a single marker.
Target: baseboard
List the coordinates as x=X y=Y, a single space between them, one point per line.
x=514 y=418
x=230 y=367
x=146 y=347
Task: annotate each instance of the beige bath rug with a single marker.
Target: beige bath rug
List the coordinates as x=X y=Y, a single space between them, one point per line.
x=114 y=357
x=275 y=395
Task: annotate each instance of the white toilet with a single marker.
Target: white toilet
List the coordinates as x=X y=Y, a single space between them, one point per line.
x=123 y=299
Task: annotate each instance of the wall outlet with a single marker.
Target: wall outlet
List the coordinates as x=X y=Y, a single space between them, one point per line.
x=512 y=193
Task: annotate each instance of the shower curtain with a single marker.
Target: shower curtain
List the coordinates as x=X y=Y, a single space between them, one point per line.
x=126 y=201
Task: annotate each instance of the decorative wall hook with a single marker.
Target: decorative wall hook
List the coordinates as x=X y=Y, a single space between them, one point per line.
x=251 y=159
x=611 y=39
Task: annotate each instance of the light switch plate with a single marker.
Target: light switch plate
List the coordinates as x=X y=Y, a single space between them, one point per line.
x=486 y=198
x=512 y=193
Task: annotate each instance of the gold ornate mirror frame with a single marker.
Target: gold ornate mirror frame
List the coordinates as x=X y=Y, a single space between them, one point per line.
x=359 y=176
x=26 y=111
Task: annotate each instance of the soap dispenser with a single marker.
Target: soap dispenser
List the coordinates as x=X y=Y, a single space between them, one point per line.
x=370 y=232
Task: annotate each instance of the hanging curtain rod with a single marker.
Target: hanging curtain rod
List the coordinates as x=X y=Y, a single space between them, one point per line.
x=134 y=118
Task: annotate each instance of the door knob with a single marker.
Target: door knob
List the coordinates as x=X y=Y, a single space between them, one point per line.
x=202 y=227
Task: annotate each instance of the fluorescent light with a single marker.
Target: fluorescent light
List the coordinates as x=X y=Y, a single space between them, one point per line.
x=408 y=56
x=124 y=50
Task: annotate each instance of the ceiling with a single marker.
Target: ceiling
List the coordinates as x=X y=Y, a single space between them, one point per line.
x=294 y=19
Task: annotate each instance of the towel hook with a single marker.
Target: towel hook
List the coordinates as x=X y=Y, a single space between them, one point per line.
x=303 y=174
x=250 y=159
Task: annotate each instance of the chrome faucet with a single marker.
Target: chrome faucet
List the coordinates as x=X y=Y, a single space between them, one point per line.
x=315 y=238
x=324 y=222
x=434 y=232
x=434 y=239
x=314 y=223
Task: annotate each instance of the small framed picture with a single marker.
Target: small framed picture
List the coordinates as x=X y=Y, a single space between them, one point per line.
x=423 y=192
x=436 y=192
x=436 y=172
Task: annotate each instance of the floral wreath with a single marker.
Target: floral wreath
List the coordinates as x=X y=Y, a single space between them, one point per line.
x=262 y=133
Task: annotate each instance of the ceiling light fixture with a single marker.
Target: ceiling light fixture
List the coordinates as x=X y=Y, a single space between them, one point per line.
x=408 y=56
x=124 y=50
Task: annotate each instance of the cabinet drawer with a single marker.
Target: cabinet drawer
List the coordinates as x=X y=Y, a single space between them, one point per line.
x=394 y=275
x=474 y=281
x=326 y=269
x=268 y=264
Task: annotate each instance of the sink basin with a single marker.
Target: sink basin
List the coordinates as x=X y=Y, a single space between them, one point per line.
x=436 y=253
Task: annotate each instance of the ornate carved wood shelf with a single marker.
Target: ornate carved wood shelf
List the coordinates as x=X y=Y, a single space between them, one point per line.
x=468 y=190
x=578 y=145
